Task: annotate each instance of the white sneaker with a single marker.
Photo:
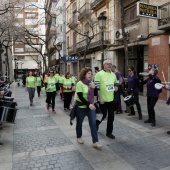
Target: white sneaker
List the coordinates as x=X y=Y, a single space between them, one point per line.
x=97 y=145
x=80 y=141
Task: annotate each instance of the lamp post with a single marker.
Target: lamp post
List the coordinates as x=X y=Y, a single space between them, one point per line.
x=15 y=60
x=21 y=64
x=59 y=48
x=102 y=25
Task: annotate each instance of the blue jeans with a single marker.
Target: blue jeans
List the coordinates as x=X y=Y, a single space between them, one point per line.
x=91 y=114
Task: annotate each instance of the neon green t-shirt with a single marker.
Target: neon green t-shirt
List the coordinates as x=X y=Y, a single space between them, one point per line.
x=67 y=83
x=31 y=81
x=38 y=81
x=56 y=76
x=60 y=78
x=83 y=88
x=74 y=80
x=106 y=81
x=51 y=84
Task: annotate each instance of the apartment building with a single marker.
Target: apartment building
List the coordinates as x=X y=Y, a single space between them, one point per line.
x=82 y=21
x=148 y=38
x=27 y=15
x=57 y=27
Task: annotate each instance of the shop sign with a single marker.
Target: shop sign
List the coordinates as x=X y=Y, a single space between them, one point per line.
x=147 y=10
x=69 y=58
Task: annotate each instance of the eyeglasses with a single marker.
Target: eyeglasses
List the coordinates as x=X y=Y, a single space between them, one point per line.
x=109 y=63
x=129 y=70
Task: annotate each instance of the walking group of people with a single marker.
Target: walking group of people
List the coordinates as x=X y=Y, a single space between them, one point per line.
x=107 y=85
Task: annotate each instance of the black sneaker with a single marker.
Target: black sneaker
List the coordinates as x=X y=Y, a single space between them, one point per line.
x=140 y=117
x=131 y=114
x=168 y=132
x=109 y=135
x=148 y=121
x=153 y=123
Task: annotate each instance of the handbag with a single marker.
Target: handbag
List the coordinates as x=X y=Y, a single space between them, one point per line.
x=73 y=114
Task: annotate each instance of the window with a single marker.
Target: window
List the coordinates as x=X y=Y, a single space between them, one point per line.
x=32 y=15
x=31 y=22
x=130 y=14
x=19 y=15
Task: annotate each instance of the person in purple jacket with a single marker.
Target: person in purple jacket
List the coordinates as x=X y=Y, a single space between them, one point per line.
x=133 y=88
x=152 y=94
x=167 y=87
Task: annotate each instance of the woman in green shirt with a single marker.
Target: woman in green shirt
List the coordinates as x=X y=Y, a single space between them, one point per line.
x=39 y=83
x=66 y=87
x=85 y=106
x=50 y=86
x=30 y=86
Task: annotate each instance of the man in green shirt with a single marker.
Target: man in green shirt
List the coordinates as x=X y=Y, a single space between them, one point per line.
x=105 y=81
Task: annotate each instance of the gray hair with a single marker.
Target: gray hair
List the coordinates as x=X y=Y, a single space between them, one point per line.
x=106 y=61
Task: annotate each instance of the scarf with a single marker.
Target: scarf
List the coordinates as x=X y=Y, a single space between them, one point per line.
x=90 y=91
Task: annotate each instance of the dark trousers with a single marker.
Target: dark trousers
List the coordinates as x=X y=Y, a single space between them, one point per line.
x=108 y=107
x=38 y=90
x=31 y=92
x=136 y=97
x=151 y=102
x=67 y=99
x=91 y=114
x=51 y=96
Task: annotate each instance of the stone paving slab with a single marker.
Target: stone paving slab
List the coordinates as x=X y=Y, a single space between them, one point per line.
x=146 y=153
x=72 y=160
x=38 y=140
x=33 y=122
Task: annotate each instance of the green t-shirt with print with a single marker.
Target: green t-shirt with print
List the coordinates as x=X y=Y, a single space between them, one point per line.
x=67 y=83
x=60 y=78
x=38 y=81
x=51 y=84
x=106 y=82
x=31 y=81
x=83 y=88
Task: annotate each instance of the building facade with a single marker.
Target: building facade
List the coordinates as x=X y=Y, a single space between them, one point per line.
x=57 y=34
x=26 y=47
x=83 y=29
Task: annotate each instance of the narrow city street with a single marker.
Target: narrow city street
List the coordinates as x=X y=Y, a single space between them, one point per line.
x=40 y=140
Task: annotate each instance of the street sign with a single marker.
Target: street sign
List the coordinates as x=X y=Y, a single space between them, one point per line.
x=147 y=10
x=69 y=58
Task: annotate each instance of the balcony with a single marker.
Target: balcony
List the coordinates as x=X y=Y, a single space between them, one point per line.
x=164 y=13
x=95 y=42
x=72 y=50
x=84 y=11
x=96 y=3
x=72 y=22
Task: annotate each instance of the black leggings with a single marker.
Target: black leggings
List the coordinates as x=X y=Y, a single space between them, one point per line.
x=67 y=99
x=151 y=102
x=38 y=90
x=51 y=96
x=136 y=97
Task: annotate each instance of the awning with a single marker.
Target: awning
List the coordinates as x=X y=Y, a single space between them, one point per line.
x=140 y=43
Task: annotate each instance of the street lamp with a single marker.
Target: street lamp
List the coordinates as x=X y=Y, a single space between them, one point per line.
x=22 y=64
x=59 y=48
x=102 y=25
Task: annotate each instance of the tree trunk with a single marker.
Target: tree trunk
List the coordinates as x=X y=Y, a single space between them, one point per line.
x=7 y=60
x=88 y=40
x=125 y=41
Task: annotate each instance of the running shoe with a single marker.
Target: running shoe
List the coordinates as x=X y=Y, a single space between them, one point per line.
x=47 y=107
x=53 y=111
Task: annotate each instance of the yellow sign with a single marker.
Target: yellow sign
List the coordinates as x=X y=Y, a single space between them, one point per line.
x=147 y=10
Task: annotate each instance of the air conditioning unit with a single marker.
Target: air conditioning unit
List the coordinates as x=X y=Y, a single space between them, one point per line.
x=119 y=35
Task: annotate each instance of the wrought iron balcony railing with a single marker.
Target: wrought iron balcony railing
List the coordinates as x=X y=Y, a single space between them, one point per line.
x=84 y=11
x=164 y=14
x=72 y=22
x=95 y=42
x=95 y=3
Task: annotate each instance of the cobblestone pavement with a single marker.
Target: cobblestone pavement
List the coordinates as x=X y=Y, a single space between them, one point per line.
x=41 y=140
